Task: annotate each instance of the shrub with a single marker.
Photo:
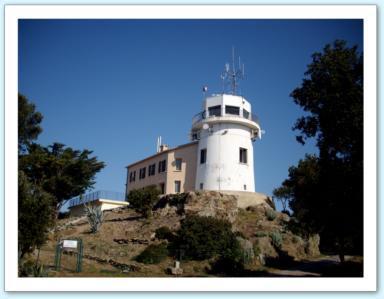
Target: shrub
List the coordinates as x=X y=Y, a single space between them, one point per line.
x=271 y=214
x=260 y=234
x=153 y=254
x=164 y=233
x=277 y=240
x=227 y=266
x=95 y=216
x=206 y=237
x=143 y=200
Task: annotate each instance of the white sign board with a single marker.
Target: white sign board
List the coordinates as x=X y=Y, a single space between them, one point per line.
x=70 y=244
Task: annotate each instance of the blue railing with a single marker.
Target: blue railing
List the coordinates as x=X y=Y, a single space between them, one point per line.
x=202 y=115
x=81 y=199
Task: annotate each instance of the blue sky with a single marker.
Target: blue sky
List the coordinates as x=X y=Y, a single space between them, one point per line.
x=113 y=86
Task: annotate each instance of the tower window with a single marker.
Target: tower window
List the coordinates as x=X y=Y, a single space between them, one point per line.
x=245 y=114
x=232 y=110
x=177 y=186
x=214 y=110
x=203 y=156
x=245 y=187
x=243 y=155
x=201 y=186
x=178 y=163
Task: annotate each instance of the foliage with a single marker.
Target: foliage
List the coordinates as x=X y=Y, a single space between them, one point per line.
x=28 y=123
x=31 y=269
x=260 y=234
x=271 y=214
x=322 y=188
x=276 y=238
x=143 y=200
x=36 y=215
x=95 y=216
x=206 y=237
x=153 y=254
x=60 y=171
x=164 y=233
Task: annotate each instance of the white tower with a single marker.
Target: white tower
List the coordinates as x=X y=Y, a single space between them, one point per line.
x=225 y=130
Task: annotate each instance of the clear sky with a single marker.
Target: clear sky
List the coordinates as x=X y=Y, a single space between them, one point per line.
x=113 y=86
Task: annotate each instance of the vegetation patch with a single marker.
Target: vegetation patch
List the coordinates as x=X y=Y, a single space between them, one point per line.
x=153 y=254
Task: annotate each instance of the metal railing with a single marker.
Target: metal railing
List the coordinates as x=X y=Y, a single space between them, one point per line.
x=81 y=199
x=202 y=115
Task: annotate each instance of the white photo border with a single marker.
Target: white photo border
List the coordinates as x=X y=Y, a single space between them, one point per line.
x=366 y=12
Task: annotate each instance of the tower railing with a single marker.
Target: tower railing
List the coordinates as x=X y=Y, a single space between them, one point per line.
x=202 y=115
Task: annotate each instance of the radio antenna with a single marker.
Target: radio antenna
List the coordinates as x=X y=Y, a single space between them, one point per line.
x=232 y=76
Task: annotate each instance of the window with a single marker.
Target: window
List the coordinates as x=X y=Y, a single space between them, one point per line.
x=201 y=186
x=151 y=169
x=132 y=176
x=142 y=173
x=214 y=110
x=177 y=186
x=162 y=166
x=245 y=187
x=243 y=155
x=203 y=156
x=245 y=114
x=162 y=188
x=232 y=110
x=178 y=164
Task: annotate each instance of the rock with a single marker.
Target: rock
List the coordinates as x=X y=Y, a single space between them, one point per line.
x=176 y=271
x=212 y=204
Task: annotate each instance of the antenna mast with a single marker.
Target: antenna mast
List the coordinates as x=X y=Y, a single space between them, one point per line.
x=232 y=76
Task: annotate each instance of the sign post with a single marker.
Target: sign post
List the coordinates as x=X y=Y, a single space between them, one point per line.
x=74 y=245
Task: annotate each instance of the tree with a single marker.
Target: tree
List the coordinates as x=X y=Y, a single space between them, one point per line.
x=143 y=200
x=60 y=171
x=332 y=95
x=36 y=215
x=29 y=123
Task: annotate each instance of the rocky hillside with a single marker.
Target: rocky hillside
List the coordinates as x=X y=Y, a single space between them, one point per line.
x=261 y=230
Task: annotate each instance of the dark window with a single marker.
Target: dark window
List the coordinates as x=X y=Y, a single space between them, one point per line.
x=162 y=166
x=201 y=186
x=245 y=187
x=243 y=155
x=178 y=164
x=214 y=110
x=232 y=110
x=132 y=176
x=177 y=186
x=162 y=188
x=142 y=173
x=245 y=114
x=203 y=156
x=152 y=170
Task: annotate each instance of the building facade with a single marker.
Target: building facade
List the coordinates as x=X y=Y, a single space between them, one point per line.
x=172 y=170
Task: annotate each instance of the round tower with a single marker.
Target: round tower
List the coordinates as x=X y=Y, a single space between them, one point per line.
x=225 y=130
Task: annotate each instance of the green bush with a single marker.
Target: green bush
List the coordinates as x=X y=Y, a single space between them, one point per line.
x=153 y=254
x=206 y=237
x=260 y=234
x=143 y=200
x=271 y=214
x=277 y=240
x=164 y=233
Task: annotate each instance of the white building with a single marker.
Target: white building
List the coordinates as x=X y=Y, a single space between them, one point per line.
x=220 y=156
x=225 y=131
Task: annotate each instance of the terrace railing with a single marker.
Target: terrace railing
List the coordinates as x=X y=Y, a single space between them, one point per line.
x=81 y=199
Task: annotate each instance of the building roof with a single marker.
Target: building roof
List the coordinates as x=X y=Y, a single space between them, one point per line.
x=163 y=152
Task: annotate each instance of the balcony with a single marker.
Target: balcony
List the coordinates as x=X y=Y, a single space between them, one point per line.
x=202 y=115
